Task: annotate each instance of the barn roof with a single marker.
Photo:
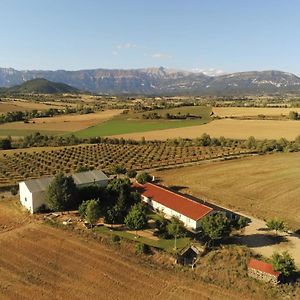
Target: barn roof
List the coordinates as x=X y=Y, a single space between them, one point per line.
x=185 y=206
x=41 y=184
x=262 y=266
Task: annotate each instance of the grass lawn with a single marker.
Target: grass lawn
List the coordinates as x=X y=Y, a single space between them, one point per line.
x=164 y=244
x=134 y=122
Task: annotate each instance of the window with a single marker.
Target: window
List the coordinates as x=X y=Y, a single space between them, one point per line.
x=25 y=199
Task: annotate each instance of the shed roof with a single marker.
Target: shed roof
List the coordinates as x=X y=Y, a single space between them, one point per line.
x=41 y=184
x=185 y=206
x=262 y=266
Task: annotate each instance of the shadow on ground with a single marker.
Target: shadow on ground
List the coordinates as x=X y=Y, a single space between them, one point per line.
x=258 y=240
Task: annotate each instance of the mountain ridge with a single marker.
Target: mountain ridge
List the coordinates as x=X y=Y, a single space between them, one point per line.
x=150 y=81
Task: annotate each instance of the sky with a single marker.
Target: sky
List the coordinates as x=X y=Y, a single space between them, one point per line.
x=211 y=35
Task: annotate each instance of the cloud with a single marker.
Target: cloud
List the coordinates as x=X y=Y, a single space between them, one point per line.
x=126 y=46
x=115 y=52
x=161 y=55
x=209 y=72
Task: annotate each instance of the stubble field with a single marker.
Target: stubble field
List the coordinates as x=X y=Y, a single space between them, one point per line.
x=229 y=128
x=41 y=262
x=265 y=186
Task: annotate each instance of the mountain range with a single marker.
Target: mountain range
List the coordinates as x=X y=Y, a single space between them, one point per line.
x=161 y=81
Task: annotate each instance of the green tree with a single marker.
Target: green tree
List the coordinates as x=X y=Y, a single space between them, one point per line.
x=275 y=224
x=175 y=228
x=215 y=227
x=92 y=212
x=283 y=263
x=143 y=177
x=131 y=173
x=82 y=209
x=5 y=144
x=111 y=215
x=161 y=224
x=119 y=169
x=136 y=218
x=61 y=193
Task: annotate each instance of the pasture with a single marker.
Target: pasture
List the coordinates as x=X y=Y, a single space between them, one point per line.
x=263 y=186
x=30 y=163
x=229 y=128
x=134 y=122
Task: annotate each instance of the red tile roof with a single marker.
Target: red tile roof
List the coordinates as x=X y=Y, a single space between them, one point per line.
x=262 y=266
x=176 y=202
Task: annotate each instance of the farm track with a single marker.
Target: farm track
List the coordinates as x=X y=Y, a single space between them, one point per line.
x=42 y=262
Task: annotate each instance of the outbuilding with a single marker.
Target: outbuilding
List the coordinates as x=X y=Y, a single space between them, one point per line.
x=186 y=210
x=263 y=271
x=32 y=192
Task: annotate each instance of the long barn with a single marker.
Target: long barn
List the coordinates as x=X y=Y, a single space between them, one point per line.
x=186 y=210
x=32 y=192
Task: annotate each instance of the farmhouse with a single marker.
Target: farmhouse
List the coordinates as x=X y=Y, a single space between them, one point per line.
x=32 y=192
x=186 y=210
x=262 y=271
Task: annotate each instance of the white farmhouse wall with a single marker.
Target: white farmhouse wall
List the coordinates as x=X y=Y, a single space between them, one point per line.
x=25 y=196
x=190 y=223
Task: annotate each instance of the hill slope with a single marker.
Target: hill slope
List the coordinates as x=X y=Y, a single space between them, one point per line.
x=41 y=86
x=161 y=81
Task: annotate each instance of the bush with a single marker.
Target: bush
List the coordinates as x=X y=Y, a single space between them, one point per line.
x=143 y=177
x=116 y=239
x=131 y=173
x=141 y=248
x=14 y=190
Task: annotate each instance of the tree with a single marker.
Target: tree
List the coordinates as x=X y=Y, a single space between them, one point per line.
x=61 y=193
x=143 y=177
x=293 y=115
x=5 y=144
x=215 y=227
x=111 y=215
x=283 y=263
x=275 y=224
x=251 y=143
x=174 y=228
x=136 y=218
x=82 y=209
x=242 y=222
x=92 y=212
x=119 y=169
x=131 y=173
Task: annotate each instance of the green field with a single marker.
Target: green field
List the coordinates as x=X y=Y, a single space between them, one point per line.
x=24 y=132
x=134 y=122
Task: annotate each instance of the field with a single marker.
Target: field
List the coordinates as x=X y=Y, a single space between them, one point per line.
x=21 y=164
x=57 y=124
x=265 y=186
x=133 y=122
x=252 y=111
x=229 y=128
x=9 y=106
x=42 y=262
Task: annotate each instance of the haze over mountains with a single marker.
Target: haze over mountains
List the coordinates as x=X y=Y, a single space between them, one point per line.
x=161 y=81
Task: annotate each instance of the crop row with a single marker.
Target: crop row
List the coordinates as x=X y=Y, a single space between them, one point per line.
x=21 y=165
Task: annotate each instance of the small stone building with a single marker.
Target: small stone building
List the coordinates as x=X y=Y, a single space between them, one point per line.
x=263 y=271
x=190 y=255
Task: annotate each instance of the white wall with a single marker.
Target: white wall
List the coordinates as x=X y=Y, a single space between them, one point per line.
x=25 y=196
x=189 y=223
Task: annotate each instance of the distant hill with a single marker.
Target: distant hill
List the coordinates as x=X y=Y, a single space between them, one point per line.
x=41 y=86
x=159 y=81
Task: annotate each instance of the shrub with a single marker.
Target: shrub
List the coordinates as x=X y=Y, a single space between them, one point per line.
x=131 y=173
x=14 y=190
x=143 y=177
x=141 y=248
